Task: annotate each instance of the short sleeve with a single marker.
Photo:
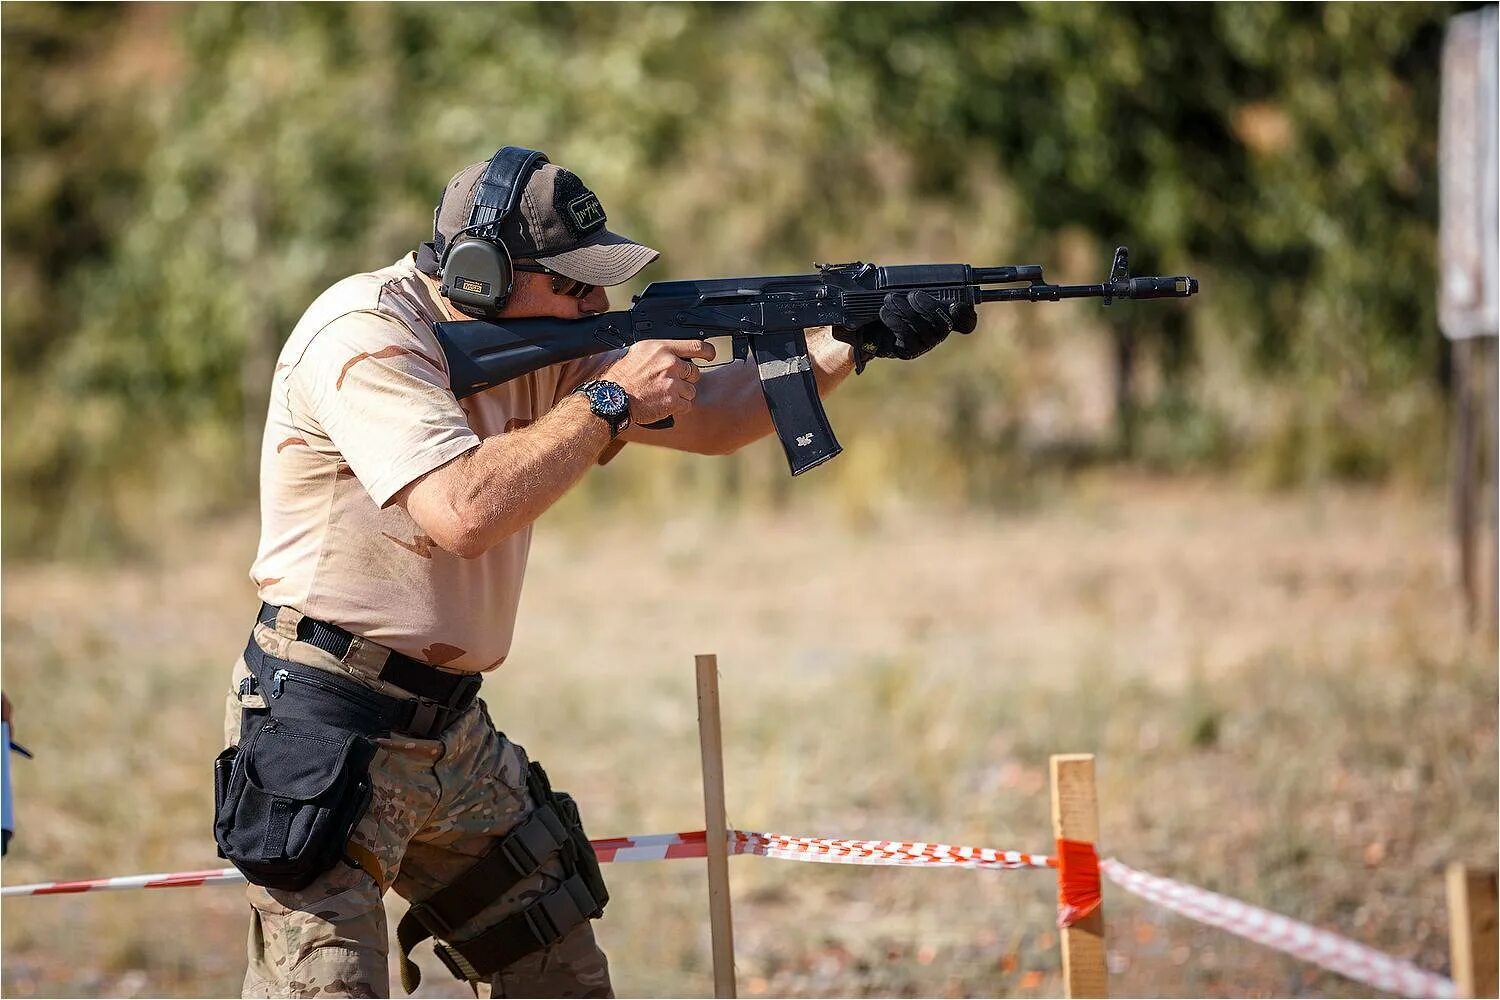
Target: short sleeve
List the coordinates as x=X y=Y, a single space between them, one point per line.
x=380 y=394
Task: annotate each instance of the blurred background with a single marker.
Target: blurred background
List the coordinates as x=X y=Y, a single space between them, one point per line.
x=1212 y=541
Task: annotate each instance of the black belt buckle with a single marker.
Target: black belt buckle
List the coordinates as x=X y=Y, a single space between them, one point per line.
x=428 y=718
x=464 y=692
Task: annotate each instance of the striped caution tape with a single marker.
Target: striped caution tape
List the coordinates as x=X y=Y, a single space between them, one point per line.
x=1078 y=892
x=164 y=880
x=882 y=852
x=651 y=847
x=1320 y=947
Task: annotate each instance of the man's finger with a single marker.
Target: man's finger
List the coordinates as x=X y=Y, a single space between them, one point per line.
x=690 y=348
x=896 y=311
x=931 y=309
x=964 y=317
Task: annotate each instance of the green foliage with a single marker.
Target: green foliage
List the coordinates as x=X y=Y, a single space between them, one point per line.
x=181 y=181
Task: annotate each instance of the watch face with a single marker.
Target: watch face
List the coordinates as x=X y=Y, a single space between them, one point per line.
x=610 y=397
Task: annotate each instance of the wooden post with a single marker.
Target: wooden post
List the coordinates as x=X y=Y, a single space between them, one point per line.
x=1472 y=931
x=1075 y=816
x=711 y=743
x=1489 y=393
x=1464 y=492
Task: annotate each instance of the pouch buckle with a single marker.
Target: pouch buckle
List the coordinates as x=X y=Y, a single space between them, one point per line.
x=536 y=839
x=557 y=912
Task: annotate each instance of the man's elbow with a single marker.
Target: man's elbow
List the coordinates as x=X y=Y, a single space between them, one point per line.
x=733 y=440
x=467 y=542
x=457 y=528
x=729 y=446
x=455 y=535
x=724 y=438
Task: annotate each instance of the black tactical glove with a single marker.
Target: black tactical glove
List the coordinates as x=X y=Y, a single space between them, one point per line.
x=910 y=325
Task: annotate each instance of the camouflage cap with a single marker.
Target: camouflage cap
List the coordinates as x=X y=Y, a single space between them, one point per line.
x=559 y=223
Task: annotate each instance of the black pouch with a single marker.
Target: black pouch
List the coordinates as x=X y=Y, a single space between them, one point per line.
x=287 y=799
x=580 y=852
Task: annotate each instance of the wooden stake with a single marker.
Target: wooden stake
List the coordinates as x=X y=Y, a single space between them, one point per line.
x=1075 y=816
x=1472 y=931
x=1489 y=402
x=711 y=742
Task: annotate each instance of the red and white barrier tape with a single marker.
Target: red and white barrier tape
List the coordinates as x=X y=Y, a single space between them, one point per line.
x=1078 y=892
x=164 y=880
x=651 y=847
x=1320 y=947
x=882 y=852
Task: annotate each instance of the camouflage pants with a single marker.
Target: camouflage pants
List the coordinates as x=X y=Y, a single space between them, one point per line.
x=436 y=808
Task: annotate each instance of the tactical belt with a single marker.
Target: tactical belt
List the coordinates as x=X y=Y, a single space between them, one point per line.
x=421 y=679
x=295 y=690
x=518 y=855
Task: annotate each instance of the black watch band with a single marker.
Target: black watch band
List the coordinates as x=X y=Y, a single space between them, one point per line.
x=609 y=403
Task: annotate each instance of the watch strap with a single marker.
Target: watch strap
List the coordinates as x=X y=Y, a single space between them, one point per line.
x=616 y=421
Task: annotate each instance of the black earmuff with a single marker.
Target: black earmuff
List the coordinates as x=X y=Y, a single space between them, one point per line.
x=477 y=275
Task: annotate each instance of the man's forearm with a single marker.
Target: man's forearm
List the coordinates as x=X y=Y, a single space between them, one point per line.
x=495 y=490
x=730 y=409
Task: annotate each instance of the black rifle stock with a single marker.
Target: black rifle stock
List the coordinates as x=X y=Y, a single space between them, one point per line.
x=766 y=317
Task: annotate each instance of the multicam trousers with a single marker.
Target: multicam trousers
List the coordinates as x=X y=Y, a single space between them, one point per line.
x=437 y=806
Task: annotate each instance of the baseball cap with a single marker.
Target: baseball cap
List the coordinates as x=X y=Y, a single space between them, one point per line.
x=559 y=223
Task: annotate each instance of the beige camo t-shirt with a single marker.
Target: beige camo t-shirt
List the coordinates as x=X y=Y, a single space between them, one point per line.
x=360 y=407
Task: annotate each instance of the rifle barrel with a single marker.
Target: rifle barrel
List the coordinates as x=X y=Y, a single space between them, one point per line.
x=1178 y=287
x=1042 y=293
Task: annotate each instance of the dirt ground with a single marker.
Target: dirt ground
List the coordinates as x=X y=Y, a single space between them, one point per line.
x=1284 y=702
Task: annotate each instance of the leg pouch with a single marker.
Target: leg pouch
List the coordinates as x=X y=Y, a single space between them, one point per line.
x=579 y=850
x=288 y=798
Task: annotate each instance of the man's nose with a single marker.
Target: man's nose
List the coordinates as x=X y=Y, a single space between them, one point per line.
x=596 y=301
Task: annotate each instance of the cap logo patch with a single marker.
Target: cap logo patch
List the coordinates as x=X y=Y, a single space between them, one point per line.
x=586 y=211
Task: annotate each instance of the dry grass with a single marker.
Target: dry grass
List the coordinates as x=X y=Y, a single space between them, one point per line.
x=1279 y=689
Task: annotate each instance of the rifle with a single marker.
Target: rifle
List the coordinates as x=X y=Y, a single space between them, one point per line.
x=766 y=318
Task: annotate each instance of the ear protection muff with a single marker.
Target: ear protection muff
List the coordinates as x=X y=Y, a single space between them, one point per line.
x=477 y=275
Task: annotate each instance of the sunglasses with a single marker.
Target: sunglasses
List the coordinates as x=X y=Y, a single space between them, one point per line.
x=561 y=283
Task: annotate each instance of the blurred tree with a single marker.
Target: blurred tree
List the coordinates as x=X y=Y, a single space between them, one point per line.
x=1287 y=150
x=181 y=180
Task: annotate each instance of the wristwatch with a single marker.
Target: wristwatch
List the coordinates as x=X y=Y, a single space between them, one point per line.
x=609 y=402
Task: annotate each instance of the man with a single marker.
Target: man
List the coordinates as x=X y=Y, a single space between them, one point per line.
x=395 y=523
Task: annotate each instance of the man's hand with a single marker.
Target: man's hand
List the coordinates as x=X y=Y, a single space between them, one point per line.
x=659 y=377
x=910 y=325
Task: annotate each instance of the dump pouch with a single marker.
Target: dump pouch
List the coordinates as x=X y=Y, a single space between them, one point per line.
x=287 y=799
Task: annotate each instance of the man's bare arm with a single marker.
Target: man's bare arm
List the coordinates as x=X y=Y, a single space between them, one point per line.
x=489 y=493
x=730 y=409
